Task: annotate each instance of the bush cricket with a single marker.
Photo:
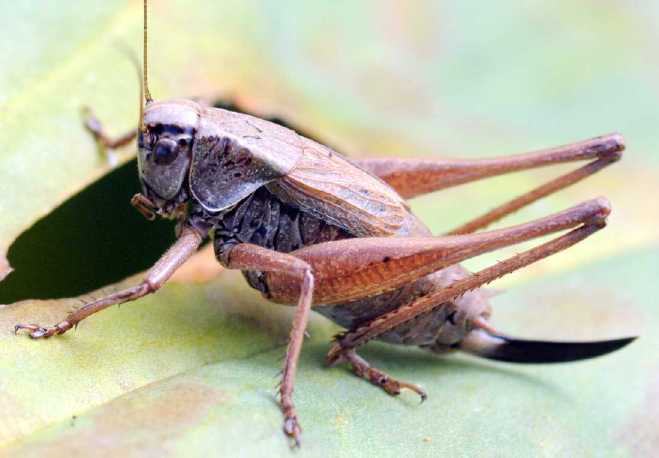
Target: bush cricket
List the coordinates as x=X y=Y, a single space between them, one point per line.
x=307 y=226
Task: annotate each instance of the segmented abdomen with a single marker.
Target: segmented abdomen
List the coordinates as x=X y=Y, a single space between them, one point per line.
x=264 y=220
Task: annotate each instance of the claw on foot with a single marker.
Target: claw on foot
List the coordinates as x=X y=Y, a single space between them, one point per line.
x=389 y=385
x=412 y=387
x=37 y=332
x=90 y=121
x=292 y=429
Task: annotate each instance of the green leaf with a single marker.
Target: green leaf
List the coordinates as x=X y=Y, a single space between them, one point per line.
x=192 y=369
x=227 y=406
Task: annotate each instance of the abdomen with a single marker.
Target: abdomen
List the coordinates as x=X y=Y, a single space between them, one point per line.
x=264 y=220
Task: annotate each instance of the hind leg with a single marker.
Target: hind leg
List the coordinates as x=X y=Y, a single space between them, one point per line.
x=351 y=269
x=389 y=321
x=363 y=369
x=413 y=177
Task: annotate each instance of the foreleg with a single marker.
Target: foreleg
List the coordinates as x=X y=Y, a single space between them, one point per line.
x=94 y=126
x=183 y=248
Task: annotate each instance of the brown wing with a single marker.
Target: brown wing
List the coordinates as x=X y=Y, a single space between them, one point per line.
x=234 y=154
x=313 y=177
x=271 y=143
x=330 y=187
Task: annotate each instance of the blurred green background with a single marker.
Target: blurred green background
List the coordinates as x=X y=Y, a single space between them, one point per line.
x=191 y=370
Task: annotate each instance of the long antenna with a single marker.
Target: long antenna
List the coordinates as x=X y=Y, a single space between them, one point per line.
x=147 y=94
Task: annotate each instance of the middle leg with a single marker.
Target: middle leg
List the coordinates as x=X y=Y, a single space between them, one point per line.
x=246 y=256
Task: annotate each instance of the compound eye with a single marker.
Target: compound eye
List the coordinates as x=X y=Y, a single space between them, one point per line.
x=165 y=152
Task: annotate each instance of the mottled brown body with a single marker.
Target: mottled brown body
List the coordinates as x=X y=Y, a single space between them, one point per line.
x=309 y=227
x=265 y=220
